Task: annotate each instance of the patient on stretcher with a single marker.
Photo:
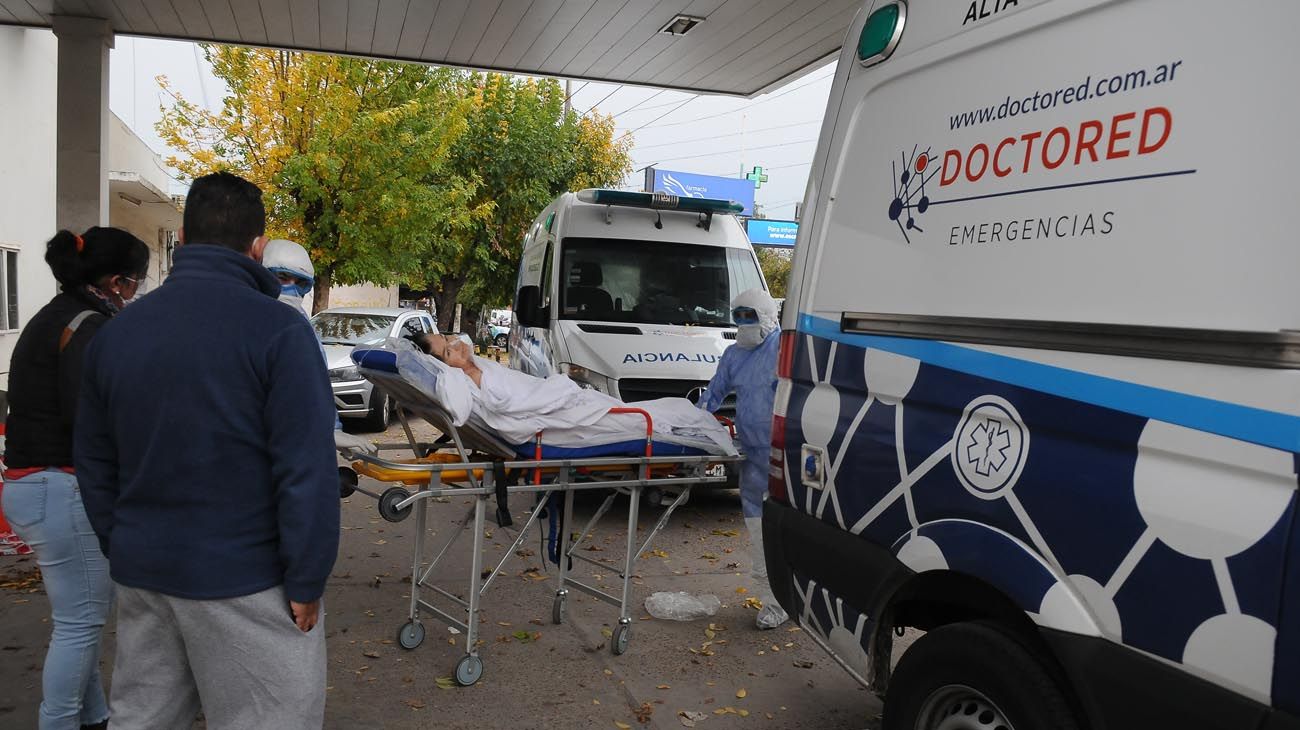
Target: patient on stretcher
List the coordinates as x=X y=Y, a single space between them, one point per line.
x=517 y=405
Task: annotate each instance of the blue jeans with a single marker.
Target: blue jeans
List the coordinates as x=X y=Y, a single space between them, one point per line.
x=45 y=510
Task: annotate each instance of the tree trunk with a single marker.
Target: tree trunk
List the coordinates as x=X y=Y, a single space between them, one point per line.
x=448 y=290
x=320 y=293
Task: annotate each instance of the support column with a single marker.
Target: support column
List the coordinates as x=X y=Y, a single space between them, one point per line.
x=81 y=166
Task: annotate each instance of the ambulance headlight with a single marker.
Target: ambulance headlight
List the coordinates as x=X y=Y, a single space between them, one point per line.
x=586 y=377
x=345 y=374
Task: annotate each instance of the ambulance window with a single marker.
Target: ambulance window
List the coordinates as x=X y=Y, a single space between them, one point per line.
x=545 y=283
x=743 y=271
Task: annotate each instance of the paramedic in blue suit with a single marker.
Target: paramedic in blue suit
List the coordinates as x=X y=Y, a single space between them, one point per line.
x=293 y=268
x=748 y=368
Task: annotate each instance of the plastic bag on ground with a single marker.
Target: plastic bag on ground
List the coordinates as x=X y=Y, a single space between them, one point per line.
x=681 y=606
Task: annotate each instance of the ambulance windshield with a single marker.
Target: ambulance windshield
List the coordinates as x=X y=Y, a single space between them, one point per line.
x=650 y=282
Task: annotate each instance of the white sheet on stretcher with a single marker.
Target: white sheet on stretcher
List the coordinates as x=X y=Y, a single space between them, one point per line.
x=517 y=405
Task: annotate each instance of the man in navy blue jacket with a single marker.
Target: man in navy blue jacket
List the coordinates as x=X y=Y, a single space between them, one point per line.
x=204 y=451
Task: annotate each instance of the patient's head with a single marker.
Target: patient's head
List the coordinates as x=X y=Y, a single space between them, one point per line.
x=449 y=349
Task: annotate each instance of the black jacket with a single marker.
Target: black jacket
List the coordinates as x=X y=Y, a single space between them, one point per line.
x=43 y=382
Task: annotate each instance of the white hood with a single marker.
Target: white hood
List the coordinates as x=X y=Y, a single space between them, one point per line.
x=660 y=351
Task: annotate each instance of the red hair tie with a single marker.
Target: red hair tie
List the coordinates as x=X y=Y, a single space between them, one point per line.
x=81 y=243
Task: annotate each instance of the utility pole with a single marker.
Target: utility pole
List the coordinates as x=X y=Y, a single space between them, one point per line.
x=568 y=96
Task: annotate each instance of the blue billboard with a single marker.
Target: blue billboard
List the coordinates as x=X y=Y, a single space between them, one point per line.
x=763 y=232
x=691 y=185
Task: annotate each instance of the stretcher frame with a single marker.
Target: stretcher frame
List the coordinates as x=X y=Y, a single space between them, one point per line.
x=480 y=459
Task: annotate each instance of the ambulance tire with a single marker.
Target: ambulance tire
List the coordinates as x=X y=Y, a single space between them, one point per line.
x=501 y=341
x=978 y=671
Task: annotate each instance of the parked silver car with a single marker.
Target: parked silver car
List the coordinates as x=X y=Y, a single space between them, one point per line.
x=343 y=328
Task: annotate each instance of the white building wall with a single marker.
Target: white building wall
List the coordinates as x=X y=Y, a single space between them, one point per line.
x=27 y=82
x=363 y=295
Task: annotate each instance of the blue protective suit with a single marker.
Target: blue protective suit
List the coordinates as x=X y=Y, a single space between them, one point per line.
x=751 y=374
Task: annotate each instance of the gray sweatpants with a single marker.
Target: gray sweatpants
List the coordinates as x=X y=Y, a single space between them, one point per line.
x=241 y=660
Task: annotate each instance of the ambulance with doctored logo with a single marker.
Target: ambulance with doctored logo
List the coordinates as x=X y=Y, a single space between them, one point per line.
x=1039 y=382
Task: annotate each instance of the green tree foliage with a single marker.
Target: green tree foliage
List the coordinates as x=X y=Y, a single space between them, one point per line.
x=395 y=172
x=352 y=155
x=520 y=149
x=775 y=264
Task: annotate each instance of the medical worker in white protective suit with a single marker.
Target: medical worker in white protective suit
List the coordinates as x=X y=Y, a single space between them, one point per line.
x=748 y=368
x=292 y=266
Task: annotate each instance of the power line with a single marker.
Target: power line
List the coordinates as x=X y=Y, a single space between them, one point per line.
x=650 y=108
x=575 y=93
x=602 y=101
x=639 y=103
x=739 y=149
x=729 y=134
x=746 y=108
x=661 y=116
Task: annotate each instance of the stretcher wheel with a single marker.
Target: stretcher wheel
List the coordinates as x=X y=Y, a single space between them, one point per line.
x=558 y=609
x=468 y=670
x=347 y=482
x=410 y=635
x=388 y=504
x=618 y=644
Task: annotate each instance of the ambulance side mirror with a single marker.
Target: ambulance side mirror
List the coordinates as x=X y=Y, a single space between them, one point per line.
x=529 y=309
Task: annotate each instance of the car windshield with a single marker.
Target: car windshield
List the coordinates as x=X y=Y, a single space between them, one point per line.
x=652 y=282
x=343 y=328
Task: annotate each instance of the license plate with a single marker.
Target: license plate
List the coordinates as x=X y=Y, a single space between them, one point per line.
x=717 y=470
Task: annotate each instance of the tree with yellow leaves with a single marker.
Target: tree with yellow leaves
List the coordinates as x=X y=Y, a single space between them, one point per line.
x=352 y=155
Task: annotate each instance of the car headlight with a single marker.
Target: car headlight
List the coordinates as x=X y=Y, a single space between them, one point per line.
x=586 y=377
x=344 y=374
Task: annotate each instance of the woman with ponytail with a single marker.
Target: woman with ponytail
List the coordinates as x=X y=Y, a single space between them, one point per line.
x=98 y=272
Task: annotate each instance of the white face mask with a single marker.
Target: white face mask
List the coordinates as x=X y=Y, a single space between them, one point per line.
x=749 y=336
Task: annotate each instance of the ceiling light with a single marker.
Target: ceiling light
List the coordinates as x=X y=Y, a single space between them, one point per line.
x=681 y=25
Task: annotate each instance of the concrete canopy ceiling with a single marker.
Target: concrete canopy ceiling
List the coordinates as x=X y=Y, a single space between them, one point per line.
x=743 y=47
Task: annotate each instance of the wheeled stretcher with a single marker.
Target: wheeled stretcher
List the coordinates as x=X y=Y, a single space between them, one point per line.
x=471 y=461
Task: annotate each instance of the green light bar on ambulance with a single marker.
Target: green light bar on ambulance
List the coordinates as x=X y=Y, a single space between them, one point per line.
x=659 y=201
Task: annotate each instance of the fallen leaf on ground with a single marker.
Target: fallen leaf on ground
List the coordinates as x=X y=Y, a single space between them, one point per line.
x=725 y=533
x=803 y=664
x=371 y=654
x=741 y=693
x=379 y=542
x=445 y=683
x=753 y=603
x=662 y=686
x=622 y=725
x=742 y=590
x=690 y=717
x=644 y=712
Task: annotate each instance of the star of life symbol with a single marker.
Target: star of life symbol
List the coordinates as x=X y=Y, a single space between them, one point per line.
x=989 y=442
x=909 y=189
x=989 y=447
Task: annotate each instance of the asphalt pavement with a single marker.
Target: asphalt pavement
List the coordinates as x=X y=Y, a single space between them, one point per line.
x=718 y=672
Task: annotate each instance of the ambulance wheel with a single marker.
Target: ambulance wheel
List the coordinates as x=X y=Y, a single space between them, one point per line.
x=973 y=676
x=388 y=504
x=618 y=643
x=410 y=635
x=558 y=609
x=347 y=482
x=501 y=340
x=468 y=670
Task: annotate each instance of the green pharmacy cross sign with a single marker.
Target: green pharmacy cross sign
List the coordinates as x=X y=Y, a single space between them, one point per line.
x=758 y=176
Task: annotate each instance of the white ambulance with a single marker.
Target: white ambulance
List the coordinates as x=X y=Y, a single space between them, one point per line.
x=630 y=293
x=1039 y=389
